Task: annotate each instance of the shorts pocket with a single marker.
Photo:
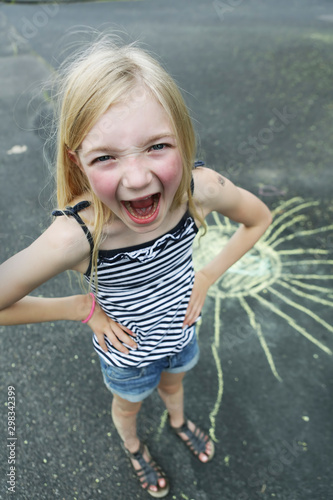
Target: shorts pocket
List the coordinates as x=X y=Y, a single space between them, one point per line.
x=117 y=374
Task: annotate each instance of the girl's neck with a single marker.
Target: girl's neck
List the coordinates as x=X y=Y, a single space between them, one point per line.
x=118 y=235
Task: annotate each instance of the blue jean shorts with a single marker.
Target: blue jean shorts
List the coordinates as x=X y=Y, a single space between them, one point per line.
x=135 y=384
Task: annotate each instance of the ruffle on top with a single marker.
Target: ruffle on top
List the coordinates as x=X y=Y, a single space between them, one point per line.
x=149 y=250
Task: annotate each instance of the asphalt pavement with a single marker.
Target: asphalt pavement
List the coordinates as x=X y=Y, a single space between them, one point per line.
x=257 y=76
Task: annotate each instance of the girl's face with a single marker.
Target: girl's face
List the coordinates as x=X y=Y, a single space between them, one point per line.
x=132 y=161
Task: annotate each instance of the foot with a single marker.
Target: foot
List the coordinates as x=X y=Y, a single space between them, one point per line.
x=197 y=441
x=150 y=475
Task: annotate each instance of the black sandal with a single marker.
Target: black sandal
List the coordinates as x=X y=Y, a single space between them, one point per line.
x=196 y=441
x=149 y=473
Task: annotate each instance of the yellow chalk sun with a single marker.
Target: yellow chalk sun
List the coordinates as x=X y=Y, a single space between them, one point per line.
x=282 y=263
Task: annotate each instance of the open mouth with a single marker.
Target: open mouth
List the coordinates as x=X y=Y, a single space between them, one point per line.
x=143 y=210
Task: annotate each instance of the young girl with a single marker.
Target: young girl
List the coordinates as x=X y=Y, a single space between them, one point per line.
x=130 y=204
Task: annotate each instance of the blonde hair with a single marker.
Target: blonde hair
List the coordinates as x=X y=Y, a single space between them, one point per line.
x=100 y=76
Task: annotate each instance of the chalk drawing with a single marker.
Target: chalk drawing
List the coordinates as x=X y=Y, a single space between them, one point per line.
x=285 y=264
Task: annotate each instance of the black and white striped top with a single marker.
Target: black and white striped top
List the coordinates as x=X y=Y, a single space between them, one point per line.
x=147 y=288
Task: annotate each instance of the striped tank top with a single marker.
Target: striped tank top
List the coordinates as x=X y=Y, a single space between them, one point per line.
x=147 y=288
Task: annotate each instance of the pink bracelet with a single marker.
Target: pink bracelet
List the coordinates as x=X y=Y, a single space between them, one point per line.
x=91 y=310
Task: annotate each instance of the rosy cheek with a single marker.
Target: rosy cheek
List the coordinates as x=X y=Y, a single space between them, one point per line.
x=171 y=176
x=102 y=185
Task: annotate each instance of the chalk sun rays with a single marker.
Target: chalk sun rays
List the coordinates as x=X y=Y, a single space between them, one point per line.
x=294 y=276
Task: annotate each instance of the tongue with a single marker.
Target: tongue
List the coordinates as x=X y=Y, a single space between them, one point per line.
x=142 y=203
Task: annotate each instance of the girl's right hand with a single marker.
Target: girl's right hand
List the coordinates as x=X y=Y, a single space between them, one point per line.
x=102 y=325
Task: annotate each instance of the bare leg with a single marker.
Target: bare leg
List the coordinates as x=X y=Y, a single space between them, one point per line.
x=124 y=418
x=124 y=415
x=171 y=392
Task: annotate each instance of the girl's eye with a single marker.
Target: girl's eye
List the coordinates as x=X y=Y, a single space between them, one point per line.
x=101 y=159
x=158 y=147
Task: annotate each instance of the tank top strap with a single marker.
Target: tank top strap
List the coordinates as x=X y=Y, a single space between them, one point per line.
x=199 y=163
x=73 y=212
x=196 y=164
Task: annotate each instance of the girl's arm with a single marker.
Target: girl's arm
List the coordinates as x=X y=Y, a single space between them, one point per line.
x=63 y=246
x=38 y=310
x=75 y=308
x=216 y=193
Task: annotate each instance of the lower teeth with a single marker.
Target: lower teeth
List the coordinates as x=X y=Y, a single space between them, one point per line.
x=151 y=209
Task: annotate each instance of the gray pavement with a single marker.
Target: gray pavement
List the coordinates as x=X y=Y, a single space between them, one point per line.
x=257 y=76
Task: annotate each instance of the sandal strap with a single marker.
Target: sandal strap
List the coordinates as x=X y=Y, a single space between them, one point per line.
x=150 y=472
x=196 y=439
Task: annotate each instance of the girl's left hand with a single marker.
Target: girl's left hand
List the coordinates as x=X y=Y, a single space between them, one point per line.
x=198 y=296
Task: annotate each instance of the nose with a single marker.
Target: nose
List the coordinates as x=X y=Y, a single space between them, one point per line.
x=136 y=175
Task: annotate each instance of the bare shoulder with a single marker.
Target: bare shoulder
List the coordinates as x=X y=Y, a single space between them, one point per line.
x=61 y=247
x=65 y=233
x=67 y=228
x=213 y=191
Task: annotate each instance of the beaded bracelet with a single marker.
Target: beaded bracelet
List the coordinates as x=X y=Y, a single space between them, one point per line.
x=91 y=310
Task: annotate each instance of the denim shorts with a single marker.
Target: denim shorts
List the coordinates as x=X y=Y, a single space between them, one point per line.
x=135 y=384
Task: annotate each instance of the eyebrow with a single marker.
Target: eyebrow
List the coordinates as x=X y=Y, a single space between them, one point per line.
x=107 y=149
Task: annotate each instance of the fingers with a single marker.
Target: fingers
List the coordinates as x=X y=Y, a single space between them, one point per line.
x=197 y=299
x=101 y=341
x=127 y=330
x=117 y=336
x=194 y=307
x=192 y=313
x=102 y=325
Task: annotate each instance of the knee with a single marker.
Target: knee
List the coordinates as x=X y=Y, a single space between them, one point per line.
x=125 y=408
x=170 y=389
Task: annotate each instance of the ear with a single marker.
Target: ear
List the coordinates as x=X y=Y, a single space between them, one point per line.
x=74 y=157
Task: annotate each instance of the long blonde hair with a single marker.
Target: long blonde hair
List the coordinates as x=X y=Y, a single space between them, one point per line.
x=98 y=77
